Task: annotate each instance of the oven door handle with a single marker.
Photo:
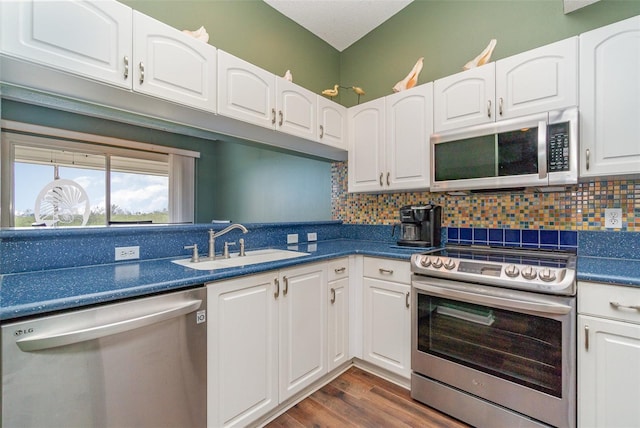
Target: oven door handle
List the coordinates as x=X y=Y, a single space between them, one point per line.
x=530 y=306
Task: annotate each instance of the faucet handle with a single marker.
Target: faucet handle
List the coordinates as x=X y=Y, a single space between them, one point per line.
x=225 y=254
x=195 y=258
x=242 y=254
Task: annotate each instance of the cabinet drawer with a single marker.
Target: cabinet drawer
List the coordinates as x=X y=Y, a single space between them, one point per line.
x=609 y=301
x=339 y=269
x=387 y=269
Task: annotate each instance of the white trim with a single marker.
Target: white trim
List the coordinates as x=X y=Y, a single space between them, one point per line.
x=91 y=138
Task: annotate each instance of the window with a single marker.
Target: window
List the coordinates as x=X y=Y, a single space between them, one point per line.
x=65 y=182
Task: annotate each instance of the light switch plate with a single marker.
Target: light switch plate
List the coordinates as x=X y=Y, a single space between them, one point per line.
x=313 y=236
x=292 y=238
x=613 y=218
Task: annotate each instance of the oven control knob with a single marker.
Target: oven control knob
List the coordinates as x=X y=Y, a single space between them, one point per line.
x=425 y=261
x=547 y=275
x=437 y=263
x=529 y=273
x=449 y=264
x=512 y=271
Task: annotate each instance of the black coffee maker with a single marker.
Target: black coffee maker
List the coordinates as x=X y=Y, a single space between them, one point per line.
x=420 y=225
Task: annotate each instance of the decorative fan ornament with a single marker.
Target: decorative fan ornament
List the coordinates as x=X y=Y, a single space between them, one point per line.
x=62 y=202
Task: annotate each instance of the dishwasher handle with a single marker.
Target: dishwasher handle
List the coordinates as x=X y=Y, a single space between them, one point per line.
x=82 y=334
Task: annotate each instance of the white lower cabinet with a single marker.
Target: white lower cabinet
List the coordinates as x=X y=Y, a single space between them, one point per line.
x=387 y=316
x=608 y=356
x=267 y=340
x=338 y=313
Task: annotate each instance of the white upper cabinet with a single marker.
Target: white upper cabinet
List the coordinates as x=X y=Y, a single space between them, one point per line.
x=408 y=128
x=610 y=100
x=366 y=146
x=389 y=142
x=535 y=81
x=297 y=108
x=89 y=38
x=538 y=80
x=464 y=99
x=245 y=91
x=332 y=123
x=172 y=65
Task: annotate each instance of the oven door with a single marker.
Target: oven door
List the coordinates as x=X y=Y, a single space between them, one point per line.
x=513 y=348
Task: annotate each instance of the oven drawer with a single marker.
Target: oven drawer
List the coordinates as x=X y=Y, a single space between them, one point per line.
x=387 y=269
x=609 y=301
x=339 y=269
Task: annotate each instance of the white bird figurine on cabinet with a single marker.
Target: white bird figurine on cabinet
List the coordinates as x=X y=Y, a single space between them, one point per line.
x=331 y=92
x=411 y=79
x=483 y=58
x=288 y=76
x=200 y=34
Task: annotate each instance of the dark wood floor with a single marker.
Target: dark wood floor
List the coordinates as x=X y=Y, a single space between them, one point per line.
x=360 y=399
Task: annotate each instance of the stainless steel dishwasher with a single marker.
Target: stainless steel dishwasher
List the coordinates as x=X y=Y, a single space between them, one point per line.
x=137 y=363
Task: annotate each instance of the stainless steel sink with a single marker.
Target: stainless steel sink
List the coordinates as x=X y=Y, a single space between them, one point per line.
x=251 y=258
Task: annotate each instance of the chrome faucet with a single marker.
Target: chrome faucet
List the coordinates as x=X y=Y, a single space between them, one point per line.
x=213 y=235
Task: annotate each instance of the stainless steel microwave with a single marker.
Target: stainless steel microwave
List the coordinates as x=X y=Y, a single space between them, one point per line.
x=531 y=151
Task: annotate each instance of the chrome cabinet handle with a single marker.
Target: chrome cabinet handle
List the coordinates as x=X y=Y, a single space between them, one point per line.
x=489 y=108
x=500 y=106
x=381 y=175
x=273 y=116
x=126 y=67
x=281 y=118
x=406 y=302
x=385 y=271
x=141 y=66
x=619 y=306
x=333 y=296
x=277 y=284
x=388 y=182
x=321 y=131
x=586 y=337
x=286 y=286
x=588 y=153
x=340 y=270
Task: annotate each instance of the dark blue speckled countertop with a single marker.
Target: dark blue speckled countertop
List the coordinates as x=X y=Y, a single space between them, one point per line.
x=39 y=292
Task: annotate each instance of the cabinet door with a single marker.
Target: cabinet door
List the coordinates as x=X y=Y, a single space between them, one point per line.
x=89 y=38
x=297 y=110
x=538 y=80
x=366 y=146
x=172 y=65
x=464 y=99
x=242 y=350
x=338 y=331
x=608 y=373
x=409 y=126
x=609 y=125
x=245 y=92
x=387 y=325
x=303 y=327
x=332 y=123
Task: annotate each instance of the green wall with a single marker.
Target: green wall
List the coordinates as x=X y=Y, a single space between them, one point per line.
x=448 y=33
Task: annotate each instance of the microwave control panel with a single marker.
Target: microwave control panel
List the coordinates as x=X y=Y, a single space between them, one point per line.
x=558 y=147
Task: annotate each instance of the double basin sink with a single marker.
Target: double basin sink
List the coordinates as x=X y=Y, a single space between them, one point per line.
x=250 y=258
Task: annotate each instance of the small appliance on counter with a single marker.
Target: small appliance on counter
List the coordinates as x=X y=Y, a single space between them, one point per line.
x=420 y=225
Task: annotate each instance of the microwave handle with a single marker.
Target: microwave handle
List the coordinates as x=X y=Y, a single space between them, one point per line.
x=542 y=150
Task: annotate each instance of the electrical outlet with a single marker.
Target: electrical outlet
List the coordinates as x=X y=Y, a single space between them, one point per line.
x=292 y=238
x=127 y=253
x=613 y=218
x=313 y=236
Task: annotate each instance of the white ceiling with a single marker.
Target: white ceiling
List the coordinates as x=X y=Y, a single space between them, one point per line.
x=339 y=22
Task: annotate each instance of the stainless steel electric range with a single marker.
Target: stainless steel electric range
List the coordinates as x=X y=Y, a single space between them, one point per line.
x=493 y=335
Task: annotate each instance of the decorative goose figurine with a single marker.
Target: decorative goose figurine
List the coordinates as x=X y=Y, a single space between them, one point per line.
x=358 y=90
x=200 y=34
x=411 y=79
x=331 y=92
x=288 y=76
x=483 y=58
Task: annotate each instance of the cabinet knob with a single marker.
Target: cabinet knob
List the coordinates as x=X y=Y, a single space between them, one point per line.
x=340 y=270
x=141 y=66
x=126 y=67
